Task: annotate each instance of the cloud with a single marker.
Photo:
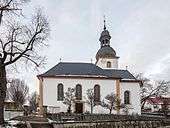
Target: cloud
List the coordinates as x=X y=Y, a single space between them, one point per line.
x=160 y=69
x=143 y=38
x=140 y=33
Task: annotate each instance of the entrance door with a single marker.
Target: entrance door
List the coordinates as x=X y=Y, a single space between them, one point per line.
x=79 y=108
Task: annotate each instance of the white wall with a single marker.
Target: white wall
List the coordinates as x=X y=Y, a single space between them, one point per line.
x=134 y=88
x=106 y=87
x=50 y=89
x=102 y=62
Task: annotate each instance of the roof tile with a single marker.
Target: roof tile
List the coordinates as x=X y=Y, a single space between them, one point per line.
x=80 y=69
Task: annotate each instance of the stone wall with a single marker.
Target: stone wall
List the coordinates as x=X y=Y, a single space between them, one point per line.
x=101 y=117
x=108 y=121
x=94 y=121
x=107 y=124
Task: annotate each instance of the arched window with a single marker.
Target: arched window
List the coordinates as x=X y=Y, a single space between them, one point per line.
x=97 y=93
x=103 y=41
x=108 y=64
x=60 y=91
x=127 y=97
x=78 y=92
x=106 y=42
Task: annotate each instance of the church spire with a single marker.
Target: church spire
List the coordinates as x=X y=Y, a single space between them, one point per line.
x=104 y=23
x=105 y=36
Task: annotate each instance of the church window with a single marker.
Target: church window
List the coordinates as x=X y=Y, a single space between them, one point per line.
x=78 y=92
x=106 y=41
x=60 y=91
x=97 y=93
x=108 y=64
x=127 y=97
x=103 y=42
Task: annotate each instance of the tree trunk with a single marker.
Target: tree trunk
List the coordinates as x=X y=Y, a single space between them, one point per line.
x=69 y=109
x=110 y=111
x=143 y=104
x=3 y=88
x=91 y=108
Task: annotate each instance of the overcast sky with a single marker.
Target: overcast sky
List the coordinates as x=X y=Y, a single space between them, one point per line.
x=140 y=31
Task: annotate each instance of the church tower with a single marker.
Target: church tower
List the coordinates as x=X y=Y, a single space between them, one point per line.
x=106 y=56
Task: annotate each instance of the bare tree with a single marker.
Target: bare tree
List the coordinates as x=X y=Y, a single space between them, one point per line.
x=69 y=98
x=11 y=7
x=165 y=106
x=18 y=92
x=33 y=104
x=90 y=98
x=112 y=102
x=19 y=41
x=152 y=89
x=125 y=109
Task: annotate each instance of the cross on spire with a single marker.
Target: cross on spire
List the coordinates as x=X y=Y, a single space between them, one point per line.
x=104 y=22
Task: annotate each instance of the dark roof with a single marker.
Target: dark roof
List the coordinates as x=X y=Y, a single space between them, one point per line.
x=124 y=74
x=86 y=69
x=106 y=52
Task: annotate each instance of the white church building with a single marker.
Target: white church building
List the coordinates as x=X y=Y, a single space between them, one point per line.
x=104 y=77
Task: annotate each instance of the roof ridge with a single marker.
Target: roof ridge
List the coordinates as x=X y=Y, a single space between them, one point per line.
x=117 y=69
x=77 y=62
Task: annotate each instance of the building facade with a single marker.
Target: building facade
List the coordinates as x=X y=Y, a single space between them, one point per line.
x=104 y=77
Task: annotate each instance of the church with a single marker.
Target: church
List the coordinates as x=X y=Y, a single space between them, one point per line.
x=104 y=77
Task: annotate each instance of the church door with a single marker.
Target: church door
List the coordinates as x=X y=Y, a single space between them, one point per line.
x=79 y=108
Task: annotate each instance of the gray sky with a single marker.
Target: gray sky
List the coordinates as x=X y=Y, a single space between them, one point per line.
x=140 y=31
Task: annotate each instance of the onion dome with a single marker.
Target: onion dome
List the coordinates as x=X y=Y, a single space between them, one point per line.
x=106 y=52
